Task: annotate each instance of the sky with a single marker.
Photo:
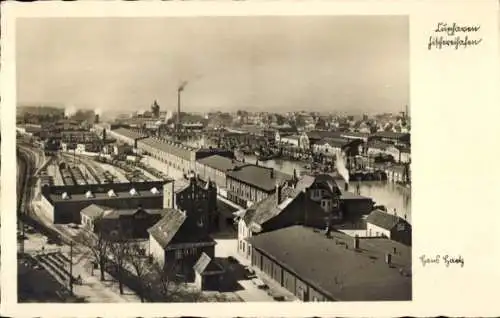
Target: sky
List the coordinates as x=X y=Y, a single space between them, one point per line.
x=327 y=64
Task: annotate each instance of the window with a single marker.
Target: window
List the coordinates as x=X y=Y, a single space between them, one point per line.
x=178 y=254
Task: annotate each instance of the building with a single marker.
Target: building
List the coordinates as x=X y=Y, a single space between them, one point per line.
x=395 y=138
x=179 y=240
x=193 y=196
x=215 y=168
x=331 y=146
x=286 y=207
x=176 y=155
x=397 y=173
x=209 y=274
x=125 y=223
x=62 y=204
x=382 y=224
x=291 y=140
x=127 y=135
x=252 y=183
x=377 y=148
x=330 y=266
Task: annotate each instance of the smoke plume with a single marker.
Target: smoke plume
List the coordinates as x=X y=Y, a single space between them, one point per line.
x=69 y=111
x=341 y=166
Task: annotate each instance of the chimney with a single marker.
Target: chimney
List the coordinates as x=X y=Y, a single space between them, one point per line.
x=346 y=187
x=388 y=258
x=272 y=173
x=356 y=242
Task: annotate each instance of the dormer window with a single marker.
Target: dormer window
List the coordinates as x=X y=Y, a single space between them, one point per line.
x=154 y=191
x=111 y=193
x=89 y=194
x=133 y=192
x=65 y=196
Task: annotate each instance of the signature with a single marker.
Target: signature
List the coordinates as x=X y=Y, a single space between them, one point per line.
x=447 y=260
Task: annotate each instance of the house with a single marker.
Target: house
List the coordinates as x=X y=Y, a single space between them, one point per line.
x=382 y=224
x=129 y=223
x=314 y=136
x=209 y=274
x=180 y=239
x=286 y=207
x=314 y=201
x=397 y=173
x=252 y=183
x=319 y=265
x=194 y=196
x=377 y=148
x=331 y=146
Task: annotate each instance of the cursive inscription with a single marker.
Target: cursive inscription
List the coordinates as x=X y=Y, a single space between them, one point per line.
x=447 y=260
x=454 y=36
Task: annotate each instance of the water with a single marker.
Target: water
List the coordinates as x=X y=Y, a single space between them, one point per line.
x=391 y=195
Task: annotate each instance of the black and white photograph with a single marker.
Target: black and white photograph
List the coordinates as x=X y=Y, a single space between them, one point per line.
x=213 y=159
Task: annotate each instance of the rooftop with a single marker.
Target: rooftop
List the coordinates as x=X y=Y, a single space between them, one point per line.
x=342 y=273
x=128 y=133
x=259 y=177
x=384 y=220
x=170 y=147
x=164 y=231
x=94 y=211
x=220 y=163
x=390 y=134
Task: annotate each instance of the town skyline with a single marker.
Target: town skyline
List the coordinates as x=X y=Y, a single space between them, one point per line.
x=274 y=64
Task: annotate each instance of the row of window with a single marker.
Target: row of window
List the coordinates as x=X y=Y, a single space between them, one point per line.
x=181 y=253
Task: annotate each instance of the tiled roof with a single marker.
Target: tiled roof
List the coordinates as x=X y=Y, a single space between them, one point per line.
x=128 y=133
x=307 y=181
x=259 y=177
x=266 y=209
x=220 y=163
x=343 y=273
x=164 y=231
x=354 y=134
x=383 y=219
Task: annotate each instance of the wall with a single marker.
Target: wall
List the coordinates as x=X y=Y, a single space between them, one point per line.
x=156 y=251
x=376 y=231
x=285 y=278
x=69 y=211
x=47 y=208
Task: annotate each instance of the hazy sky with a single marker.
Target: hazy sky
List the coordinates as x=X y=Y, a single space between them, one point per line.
x=254 y=63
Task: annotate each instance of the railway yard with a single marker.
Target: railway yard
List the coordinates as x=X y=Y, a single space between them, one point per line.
x=68 y=169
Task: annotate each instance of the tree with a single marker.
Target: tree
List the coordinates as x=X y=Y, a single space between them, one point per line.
x=119 y=248
x=138 y=260
x=169 y=283
x=98 y=244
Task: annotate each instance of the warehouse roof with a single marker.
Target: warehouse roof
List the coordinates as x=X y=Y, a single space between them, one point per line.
x=340 y=273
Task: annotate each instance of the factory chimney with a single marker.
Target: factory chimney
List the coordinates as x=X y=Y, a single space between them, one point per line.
x=356 y=242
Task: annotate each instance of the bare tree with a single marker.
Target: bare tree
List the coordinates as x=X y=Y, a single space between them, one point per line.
x=138 y=260
x=97 y=242
x=119 y=248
